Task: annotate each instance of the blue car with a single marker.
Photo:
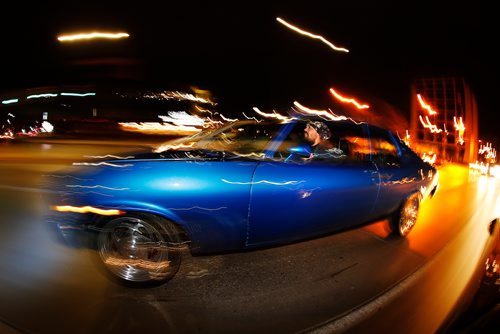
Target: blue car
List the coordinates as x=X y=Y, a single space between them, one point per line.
x=245 y=185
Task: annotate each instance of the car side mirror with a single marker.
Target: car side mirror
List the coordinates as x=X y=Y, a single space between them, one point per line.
x=301 y=150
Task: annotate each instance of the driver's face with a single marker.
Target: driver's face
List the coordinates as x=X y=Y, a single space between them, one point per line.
x=310 y=134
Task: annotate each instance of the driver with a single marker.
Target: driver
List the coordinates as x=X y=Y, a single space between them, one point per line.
x=318 y=134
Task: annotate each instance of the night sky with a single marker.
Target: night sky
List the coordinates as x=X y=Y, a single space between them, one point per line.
x=240 y=52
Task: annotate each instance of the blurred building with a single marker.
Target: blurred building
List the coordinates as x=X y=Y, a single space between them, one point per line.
x=444 y=119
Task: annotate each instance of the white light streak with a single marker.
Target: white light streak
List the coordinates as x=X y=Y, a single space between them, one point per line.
x=94 y=187
x=303 y=32
x=78 y=94
x=10 y=101
x=101 y=164
x=108 y=156
x=274 y=114
x=37 y=96
x=321 y=113
x=92 y=35
x=264 y=182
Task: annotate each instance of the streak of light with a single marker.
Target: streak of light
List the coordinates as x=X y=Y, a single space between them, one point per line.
x=460 y=127
x=37 y=96
x=424 y=105
x=168 y=95
x=92 y=35
x=103 y=163
x=182 y=118
x=203 y=110
x=255 y=119
x=7 y=135
x=322 y=113
x=108 y=156
x=78 y=94
x=481 y=167
x=87 y=209
x=264 y=182
x=348 y=100
x=228 y=119
x=199 y=208
x=429 y=158
x=10 y=101
x=489 y=151
x=428 y=125
x=303 y=32
x=158 y=128
x=402 y=181
x=274 y=114
x=250 y=155
x=164 y=147
x=94 y=187
x=157 y=266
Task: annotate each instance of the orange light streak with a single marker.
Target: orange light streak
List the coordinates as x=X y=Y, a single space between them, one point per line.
x=429 y=125
x=460 y=127
x=87 y=209
x=429 y=158
x=348 y=100
x=303 y=32
x=425 y=105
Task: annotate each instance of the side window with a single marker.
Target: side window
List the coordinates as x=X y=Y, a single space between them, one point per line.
x=384 y=150
x=350 y=139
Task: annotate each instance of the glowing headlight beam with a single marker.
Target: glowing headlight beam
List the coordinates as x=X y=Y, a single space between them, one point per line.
x=87 y=209
x=348 y=100
x=303 y=32
x=92 y=35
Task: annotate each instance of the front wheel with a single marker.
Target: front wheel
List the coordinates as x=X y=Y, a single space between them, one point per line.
x=140 y=248
x=405 y=218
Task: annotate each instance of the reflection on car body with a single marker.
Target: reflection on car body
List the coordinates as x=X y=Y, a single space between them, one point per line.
x=246 y=185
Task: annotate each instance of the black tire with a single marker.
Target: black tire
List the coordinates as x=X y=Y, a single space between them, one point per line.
x=140 y=249
x=406 y=216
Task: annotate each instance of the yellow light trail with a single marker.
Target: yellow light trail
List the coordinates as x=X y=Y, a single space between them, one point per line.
x=425 y=105
x=87 y=209
x=92 y=35
x=348 y=100
x=303 y=32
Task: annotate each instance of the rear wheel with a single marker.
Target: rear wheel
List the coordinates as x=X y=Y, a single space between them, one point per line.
x=405 y=218
x=140 y=248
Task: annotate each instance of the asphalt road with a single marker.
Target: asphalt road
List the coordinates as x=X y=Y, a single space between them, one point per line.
x=362 y=280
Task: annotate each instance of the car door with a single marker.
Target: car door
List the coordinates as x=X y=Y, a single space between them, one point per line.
x=291 y=201
x=398 y=177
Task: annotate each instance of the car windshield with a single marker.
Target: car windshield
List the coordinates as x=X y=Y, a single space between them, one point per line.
x=245 y=138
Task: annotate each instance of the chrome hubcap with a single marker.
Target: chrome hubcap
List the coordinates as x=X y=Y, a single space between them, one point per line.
x=409 y=214
x=134 y=250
